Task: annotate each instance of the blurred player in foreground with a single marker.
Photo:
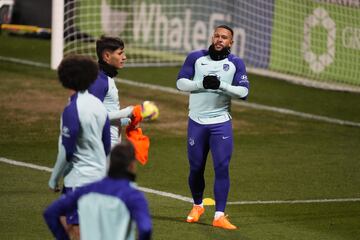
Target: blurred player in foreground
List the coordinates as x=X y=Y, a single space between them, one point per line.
x=111 y=57
x=212 y=76
x=109 y=208
x=84 y=141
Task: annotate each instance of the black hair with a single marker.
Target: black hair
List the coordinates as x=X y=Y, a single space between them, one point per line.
x=120 y=158
x=108 y=43
x=226 y=27
x=77 y=72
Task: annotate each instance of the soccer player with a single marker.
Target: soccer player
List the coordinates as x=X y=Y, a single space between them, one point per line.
x=108 y=208
x=212 y=76
x=84 y=141
x=111 y=57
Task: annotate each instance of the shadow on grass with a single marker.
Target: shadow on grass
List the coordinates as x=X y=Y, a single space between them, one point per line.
x=177 y=220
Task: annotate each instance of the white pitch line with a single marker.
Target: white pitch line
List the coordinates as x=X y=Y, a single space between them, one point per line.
x=257 y=71
x=245 y=104
x=23 y=164
x=294 y=201
x=166 y=194
x=25 y=62
x=187 y=199
x=304 y=81
x=249 y=105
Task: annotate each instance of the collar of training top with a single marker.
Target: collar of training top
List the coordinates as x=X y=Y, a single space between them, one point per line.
x=109 y=70
x=218 y=55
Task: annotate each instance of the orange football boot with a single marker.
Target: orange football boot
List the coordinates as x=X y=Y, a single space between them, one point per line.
x=223 y=222
x=195 y=214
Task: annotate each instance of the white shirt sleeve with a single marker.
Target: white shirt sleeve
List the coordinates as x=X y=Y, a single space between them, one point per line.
x=187 y=85
x=234 y=91
x=123 y=113
x=60 y=166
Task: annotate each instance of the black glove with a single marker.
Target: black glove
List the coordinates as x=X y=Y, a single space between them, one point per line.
x=211 y=82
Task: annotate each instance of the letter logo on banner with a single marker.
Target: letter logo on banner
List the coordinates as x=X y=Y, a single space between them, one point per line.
x=351 y=38
x=319 y=17
x=112 y=21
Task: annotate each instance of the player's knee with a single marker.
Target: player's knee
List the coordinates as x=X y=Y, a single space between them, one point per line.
x=74 y=232
x=222 y=171
x=196 y=171
x=198 y=168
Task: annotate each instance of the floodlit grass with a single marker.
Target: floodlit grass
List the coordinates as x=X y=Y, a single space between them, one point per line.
x=276 y=157
x=30 y=49
x=272 y=92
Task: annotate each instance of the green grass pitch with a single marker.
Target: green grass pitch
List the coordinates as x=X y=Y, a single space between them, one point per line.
x=276 y=156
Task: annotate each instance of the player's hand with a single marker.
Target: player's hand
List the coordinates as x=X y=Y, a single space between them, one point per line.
x=125 y=122
x=57 y=189
x=54 y=187
x=211 y=82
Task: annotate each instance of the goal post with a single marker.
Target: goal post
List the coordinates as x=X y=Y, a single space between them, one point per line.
x=57 y=33
x=305 y=39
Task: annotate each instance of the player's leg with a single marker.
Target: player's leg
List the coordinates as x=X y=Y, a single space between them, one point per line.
x=74 y=232
x=63 y=220
x=64 y=224
x=221 y=145
x=72 y=220
x=198 y=148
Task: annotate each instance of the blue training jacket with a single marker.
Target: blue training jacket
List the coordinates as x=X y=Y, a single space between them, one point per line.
x=108 y=209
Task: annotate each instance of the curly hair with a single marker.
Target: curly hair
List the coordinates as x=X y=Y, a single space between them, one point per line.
x=77 y=72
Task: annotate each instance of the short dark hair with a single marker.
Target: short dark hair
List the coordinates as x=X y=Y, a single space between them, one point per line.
x=108 y=43
x=77 y=72
x=226 y=27
x=120 y=158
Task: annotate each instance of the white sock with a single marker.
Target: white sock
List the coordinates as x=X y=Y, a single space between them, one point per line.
x=218 y=214
x=200 y=205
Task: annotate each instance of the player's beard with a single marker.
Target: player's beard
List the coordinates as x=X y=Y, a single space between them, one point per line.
x=218 y=55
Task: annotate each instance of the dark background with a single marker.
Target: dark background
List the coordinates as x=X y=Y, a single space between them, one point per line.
x=32 y=12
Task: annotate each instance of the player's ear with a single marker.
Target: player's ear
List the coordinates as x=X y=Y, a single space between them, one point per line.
x=212 y=39
x=231 y=43
x=106 y=56
x=132 y=167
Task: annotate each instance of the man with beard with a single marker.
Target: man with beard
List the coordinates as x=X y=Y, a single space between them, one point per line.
x=212 y=77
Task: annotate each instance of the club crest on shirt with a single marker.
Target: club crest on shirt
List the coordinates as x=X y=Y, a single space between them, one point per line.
x=191 y=141
x=65 y=132
x=226 y=67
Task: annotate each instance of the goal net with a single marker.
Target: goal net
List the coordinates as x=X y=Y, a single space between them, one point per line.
x=312 y=39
